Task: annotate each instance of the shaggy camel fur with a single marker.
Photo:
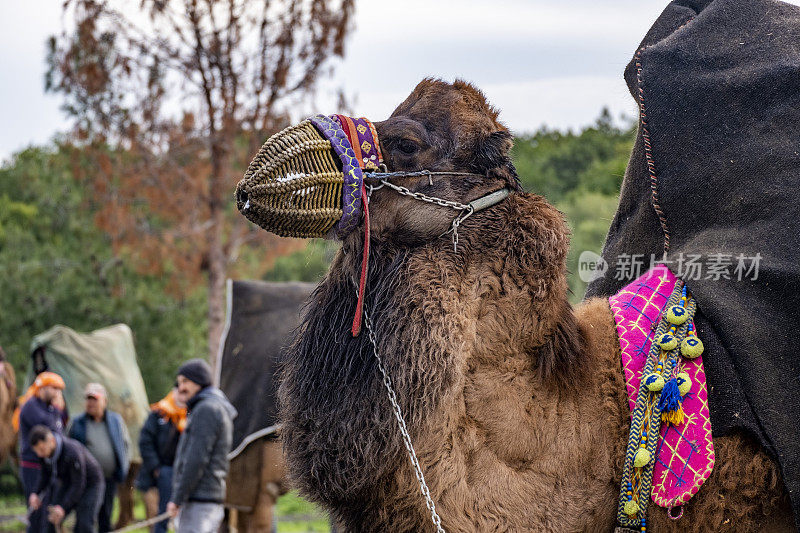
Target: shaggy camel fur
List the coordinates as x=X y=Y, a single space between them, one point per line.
x=515 y=402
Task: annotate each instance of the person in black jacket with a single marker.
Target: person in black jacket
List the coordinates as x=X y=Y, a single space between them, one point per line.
x=158 y=443
x=73 y=477
x=201 y=461
x=39 y=407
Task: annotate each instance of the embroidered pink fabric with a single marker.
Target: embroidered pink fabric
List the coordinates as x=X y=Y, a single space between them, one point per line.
x=685 y=453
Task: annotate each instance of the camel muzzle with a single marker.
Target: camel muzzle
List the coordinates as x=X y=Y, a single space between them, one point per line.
x=306 y=180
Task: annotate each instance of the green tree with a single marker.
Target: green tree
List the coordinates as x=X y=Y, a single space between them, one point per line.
x=554 y=163
x=581 y=174
x=309 y=264
x=589 y=215
x=57 y=267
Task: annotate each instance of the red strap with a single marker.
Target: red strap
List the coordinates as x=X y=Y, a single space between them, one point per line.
x=364 y=265
x=352 y=135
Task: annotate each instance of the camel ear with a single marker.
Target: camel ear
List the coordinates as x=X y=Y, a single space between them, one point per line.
x=492 y=156
x=493 y=150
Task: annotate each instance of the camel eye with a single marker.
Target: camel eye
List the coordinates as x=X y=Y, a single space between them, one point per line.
x=407 y=147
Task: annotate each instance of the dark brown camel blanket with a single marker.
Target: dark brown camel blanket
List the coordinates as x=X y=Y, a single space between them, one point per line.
x=260 y=319
x=713 y=177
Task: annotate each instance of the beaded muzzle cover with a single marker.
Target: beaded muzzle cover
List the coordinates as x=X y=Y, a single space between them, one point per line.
x=306 y=180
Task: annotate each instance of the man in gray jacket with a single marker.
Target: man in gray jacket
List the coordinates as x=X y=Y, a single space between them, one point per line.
x=201 y=461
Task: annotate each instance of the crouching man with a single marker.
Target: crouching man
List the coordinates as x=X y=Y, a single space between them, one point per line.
x=73 y=477
x=201 y=461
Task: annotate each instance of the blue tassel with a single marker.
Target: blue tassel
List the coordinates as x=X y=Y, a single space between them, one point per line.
x=670 y=399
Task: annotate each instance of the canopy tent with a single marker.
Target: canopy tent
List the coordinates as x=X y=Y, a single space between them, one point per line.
x=106 y=356
x=261 y=317
x=713 y=178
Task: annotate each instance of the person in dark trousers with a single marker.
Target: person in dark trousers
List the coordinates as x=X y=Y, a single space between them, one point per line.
x=105 y=435
x=201 y=461
x=71 y=475
x=158 y=443
x=38 y=410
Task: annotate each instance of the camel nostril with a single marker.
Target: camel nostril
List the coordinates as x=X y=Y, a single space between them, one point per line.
x=242 y=199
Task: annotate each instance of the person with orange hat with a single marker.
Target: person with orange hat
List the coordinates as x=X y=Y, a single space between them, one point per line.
x=38 y=410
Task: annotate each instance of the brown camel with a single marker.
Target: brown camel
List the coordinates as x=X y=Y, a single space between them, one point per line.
x=8 y=401
x=256 y=480
x=514 y=400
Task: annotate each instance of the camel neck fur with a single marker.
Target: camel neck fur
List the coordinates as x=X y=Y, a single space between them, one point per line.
x=515 y=402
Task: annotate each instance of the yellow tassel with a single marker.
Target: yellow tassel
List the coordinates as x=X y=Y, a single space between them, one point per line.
x=674 y=417
x=630 y=508
x=641 y=458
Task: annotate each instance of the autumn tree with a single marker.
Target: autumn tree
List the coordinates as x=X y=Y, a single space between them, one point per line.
x=170 y=99
x=56 y=267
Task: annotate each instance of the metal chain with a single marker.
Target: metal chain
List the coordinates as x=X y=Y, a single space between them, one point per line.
x=419 y=196
x=385 y=174
x=456 y=223
x=466 y=210
x=398 y=414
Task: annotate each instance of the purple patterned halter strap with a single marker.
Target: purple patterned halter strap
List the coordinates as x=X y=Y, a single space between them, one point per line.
x=685 y=453
x=355 y=142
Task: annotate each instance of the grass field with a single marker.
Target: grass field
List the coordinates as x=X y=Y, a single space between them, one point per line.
x=295 y=515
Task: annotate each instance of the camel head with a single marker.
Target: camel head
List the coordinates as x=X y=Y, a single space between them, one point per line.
x=437 y=313
x=440 y=127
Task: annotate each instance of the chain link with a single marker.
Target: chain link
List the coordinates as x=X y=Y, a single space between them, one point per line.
x=384 y=174
x=419 y=196
x=398 y=414
x=456 y=223
x=466 y=210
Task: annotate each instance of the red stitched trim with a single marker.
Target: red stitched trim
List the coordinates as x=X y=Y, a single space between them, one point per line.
x=350 y=130
x=648 y=147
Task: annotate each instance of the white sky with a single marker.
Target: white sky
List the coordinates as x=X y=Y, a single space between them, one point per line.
x=539 y=61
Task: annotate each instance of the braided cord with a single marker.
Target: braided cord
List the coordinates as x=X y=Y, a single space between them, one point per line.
x=646 y=417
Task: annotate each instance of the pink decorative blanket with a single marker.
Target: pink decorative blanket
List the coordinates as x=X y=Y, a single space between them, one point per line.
x=685 y=453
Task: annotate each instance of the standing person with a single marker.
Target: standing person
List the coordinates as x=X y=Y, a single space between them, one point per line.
x=61 y=404
x=158 y=443
x=104 y=434
x=72 y=477
x=201 y=461
x=38 y=409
